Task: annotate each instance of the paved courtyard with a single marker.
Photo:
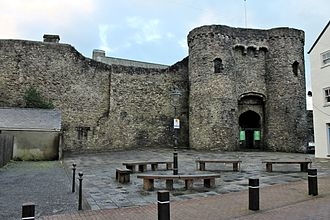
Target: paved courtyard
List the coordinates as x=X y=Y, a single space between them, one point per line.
x=102 y=191
x=48 y=184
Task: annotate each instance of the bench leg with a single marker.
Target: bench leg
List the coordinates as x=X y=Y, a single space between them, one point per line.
x=235 y=167
x=148 y=184
x=127 y=178
x=154 y=167
x=116 y=174
x=209 y=183
x=169 y=184
x=303 y=167
x=131 y=167
x=143 y=167
x=120 y=177
x=269 y=167
x=189 y=184
x=202 y=166
x=169 y=166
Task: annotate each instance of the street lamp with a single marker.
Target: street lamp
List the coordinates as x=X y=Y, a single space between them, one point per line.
x=175 y=98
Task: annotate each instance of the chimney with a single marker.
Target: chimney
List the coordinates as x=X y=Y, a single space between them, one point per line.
x=98 y=54
x=51 y=38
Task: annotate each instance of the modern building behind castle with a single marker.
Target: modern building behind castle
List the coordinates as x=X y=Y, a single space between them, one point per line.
x=320 y=74
x=241 y=88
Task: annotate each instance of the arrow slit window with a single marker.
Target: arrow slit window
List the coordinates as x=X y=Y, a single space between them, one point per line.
x=218 y=65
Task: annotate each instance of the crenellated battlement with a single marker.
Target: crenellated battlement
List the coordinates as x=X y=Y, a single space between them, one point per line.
x=225 y=34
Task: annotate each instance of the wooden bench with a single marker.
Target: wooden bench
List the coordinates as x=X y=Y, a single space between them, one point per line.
x=123 y=175
x=236 y=163
x=142 y=165
x=303 y=164
x=148 y=180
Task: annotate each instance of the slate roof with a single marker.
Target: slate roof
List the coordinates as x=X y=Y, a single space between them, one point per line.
x=30 y=119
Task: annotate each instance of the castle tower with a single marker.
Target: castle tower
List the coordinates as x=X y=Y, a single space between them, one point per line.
x=233 y=74
x=286 y=103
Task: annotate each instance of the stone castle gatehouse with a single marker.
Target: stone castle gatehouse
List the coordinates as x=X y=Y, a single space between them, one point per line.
x=241 y=88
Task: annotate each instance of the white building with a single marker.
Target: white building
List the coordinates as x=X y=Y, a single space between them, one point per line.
x=320 y=76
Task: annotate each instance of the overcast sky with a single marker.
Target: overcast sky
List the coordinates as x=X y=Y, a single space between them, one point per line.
x=151 y=30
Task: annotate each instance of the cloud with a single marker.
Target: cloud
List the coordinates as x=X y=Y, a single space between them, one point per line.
x=103 y=35
x=8 y=28
x=170 y=35
x=209 y=16
x=310 y=7
x=183 y=44
x=17 y=16
x=144 y=30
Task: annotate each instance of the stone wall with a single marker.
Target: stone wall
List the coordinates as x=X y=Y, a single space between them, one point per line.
x=77 y=86
x=103 y=107
x=141 y=114
x=310 y=126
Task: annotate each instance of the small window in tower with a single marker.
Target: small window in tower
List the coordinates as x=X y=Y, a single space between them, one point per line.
x=327 y=96
x=295 y=68
x=218 y=66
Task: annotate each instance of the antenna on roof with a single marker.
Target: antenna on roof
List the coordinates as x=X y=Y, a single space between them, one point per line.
x=245 y=14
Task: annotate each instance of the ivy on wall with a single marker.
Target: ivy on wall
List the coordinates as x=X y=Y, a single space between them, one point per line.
x=33 y=99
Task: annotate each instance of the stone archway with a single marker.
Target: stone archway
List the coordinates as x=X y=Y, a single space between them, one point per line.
x=251 y=118
x=250 y=130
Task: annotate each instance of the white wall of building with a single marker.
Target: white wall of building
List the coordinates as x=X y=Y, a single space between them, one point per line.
x=320 y=77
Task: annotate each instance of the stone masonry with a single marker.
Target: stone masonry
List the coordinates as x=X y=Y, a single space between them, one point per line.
x=242 y=88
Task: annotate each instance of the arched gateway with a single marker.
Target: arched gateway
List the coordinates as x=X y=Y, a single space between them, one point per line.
x=250 y=129
x=250 y=119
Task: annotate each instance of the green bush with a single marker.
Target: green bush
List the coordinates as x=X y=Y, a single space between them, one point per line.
x=33 y=99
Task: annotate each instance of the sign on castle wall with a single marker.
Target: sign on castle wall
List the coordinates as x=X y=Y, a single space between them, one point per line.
x=176 y=123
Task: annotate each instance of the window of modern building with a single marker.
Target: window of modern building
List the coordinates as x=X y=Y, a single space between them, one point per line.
x=325 y=58
x=327 y=95
x=328 y=134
